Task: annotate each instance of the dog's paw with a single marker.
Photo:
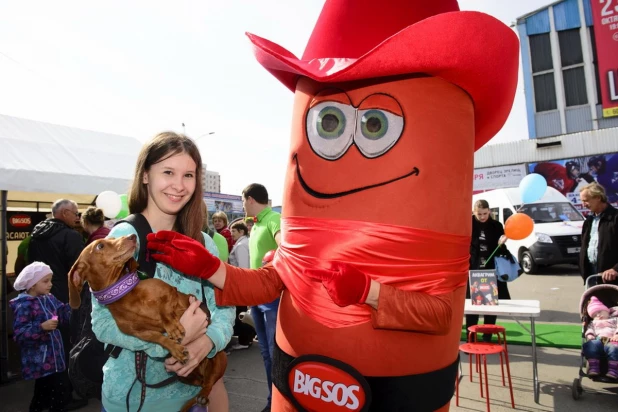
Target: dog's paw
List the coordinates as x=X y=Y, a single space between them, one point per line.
x=185 y=357
x=179 y=353
x=201 y=400
x=175 y=332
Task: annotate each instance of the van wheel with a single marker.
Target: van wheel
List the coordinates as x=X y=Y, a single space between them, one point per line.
x=527 y=263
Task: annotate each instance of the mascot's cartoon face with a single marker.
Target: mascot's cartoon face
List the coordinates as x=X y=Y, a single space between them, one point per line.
x=395 y=150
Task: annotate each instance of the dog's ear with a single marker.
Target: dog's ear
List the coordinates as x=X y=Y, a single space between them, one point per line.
x=132 y=265
x=76 y=283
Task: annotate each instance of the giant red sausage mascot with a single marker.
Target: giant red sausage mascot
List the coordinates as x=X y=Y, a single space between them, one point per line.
x=392 y=98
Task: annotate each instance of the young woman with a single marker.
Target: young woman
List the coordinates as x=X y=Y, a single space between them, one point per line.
x=93 y=221
x=487 y=234
x=166 y=192
x=219 y=221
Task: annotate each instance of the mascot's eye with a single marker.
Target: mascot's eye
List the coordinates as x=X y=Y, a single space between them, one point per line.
x=378 y=130
x=330 y=128
x=330 y=122
x=374 y=124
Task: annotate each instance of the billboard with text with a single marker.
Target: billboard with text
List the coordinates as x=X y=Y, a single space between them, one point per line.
x=568 y=176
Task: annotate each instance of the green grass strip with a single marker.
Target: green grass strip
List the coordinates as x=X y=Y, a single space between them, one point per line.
x=547 y=334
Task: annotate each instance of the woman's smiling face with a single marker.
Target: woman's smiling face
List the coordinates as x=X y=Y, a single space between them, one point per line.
x=171 y=183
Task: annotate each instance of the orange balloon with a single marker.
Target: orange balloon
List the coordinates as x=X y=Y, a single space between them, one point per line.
x=518 y=227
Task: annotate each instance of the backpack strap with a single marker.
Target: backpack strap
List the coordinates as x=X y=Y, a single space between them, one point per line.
x=141 y=225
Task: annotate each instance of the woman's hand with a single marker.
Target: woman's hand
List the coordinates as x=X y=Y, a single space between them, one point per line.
x=502 y=240
x=194 y=320
x=198 y=349
x=614 y=338
x=49 y=324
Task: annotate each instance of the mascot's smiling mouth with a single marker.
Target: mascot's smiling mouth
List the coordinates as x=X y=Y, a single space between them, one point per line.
x=321 y=195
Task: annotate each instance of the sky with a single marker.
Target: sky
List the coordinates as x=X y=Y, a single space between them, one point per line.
x=136 y=68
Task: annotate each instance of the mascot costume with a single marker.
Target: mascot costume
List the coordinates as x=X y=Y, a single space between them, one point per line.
x=392 y=98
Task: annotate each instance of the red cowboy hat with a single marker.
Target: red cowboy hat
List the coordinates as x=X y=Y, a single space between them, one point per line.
x=363 y=39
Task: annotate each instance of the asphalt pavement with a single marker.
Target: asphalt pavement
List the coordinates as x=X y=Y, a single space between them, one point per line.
x=558 y=289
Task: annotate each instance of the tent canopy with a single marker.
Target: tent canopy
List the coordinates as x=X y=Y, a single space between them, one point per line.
x=42 y=162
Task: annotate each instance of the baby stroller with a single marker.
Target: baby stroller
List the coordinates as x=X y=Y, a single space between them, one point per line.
x=608 y=295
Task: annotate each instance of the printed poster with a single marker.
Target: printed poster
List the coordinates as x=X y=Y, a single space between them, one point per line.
x=568 y=176
x=220 y=202
x=483 y=287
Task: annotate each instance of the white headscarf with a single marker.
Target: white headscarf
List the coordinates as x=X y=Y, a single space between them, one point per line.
x=31 y=275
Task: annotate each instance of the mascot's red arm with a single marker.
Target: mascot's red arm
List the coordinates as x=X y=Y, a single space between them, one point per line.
x=396 y=309
x=412 y=311
x=248 y=287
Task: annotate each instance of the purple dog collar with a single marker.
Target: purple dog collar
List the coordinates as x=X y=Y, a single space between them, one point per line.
x=114 y=292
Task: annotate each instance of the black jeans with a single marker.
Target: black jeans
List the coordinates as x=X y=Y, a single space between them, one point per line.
x=50 y=393
x=471 y=320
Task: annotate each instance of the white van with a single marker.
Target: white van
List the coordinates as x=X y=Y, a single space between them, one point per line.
x=556 y=237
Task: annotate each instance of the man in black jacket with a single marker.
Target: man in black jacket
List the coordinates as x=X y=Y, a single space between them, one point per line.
x=599 y=252
x=56 y=243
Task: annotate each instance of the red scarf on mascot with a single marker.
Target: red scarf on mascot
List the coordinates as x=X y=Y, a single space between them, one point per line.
x=406 y=258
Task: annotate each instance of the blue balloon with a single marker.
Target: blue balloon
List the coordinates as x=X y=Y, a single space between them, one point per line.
x=532 y=188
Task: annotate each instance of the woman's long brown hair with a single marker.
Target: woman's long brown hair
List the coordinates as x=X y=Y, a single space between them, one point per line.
x=164 y=145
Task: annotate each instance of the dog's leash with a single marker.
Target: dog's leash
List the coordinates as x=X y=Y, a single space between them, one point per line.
x=140 y=375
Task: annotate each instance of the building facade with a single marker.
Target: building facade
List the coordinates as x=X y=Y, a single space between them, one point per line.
x=569 y=53
x=569 y=63
x=211 y=180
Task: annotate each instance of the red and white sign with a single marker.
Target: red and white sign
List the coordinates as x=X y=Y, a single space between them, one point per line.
x=20 y=224
x=20 y=220
x=605 y=18
x=499 y=177
x=321 y=386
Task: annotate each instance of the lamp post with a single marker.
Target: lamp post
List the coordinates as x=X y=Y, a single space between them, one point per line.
x=202 y=135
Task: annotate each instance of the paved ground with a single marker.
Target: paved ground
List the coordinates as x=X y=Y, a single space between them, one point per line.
x=559 y=290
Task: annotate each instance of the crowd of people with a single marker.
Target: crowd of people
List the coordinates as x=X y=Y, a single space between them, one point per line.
x=165 y=191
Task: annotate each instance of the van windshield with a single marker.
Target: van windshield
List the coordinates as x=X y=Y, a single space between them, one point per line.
x=552 y=212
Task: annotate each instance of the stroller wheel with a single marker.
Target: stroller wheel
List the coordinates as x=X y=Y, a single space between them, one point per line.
x=576 y=389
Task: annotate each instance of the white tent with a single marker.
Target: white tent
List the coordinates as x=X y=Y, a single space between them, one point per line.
x=42 y=162
x=37 y=158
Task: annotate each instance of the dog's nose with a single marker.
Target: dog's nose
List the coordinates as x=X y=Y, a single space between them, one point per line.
x=132 y=237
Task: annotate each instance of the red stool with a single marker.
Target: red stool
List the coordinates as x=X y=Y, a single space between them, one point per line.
x=480 y=351
x=497 y=330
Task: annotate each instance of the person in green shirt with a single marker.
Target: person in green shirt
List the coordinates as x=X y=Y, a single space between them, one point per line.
x=265 y=236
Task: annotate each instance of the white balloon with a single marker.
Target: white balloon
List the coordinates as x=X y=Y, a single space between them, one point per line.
x=110 y=203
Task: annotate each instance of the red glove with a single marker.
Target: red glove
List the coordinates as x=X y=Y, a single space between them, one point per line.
x=184 y=254
x=345 y=284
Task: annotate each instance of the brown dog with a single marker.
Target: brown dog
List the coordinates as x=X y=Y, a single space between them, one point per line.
x=151 y=308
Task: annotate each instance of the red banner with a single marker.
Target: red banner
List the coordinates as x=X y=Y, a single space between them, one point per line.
x=605 y=17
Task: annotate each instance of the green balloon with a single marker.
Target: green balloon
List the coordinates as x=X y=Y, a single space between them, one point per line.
x=124 y=209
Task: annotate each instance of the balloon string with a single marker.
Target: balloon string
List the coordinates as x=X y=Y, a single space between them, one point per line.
x=492 y=255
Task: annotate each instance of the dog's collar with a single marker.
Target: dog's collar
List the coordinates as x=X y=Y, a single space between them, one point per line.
x=114 y=292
